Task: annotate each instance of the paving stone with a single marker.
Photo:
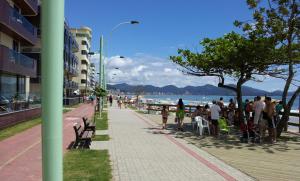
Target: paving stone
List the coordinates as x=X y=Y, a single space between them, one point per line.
x=139 y=150
x=101 y=132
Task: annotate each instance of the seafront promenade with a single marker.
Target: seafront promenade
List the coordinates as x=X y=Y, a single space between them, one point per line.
x=140 y=150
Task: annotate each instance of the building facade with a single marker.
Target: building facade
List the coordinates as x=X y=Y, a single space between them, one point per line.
x=71 y=63
x=17 y=31
x=92 y=75
x=83 y=37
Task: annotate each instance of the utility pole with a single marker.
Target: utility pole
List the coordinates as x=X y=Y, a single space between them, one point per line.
x=52 y=89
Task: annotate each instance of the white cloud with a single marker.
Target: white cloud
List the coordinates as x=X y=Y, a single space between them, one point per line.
x=151 y=70
x=146 y=69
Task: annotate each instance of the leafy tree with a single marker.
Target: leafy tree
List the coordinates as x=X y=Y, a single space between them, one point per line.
x=229 y=56
x=100 y=92
x=279 y=20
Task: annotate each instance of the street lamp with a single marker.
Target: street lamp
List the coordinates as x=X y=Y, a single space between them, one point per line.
x=101 y=65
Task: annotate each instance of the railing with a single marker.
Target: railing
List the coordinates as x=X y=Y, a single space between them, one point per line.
x=70 y=84
x=17 y=17
x=21 y=59
x=190 y=108
x=12 y=101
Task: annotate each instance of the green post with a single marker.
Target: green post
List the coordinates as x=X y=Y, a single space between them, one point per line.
x=101 y=71
x=52 y=89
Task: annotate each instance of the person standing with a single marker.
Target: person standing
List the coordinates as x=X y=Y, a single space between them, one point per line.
x=258 y=107
x=164 y=114
x=125 y=102
x=120 y=102
x=180 y=113
x=268 y=114
x=110 y=100
x=215 y=115
x=231 y=110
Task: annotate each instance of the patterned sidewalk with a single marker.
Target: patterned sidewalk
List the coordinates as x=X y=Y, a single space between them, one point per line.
x=20 y=158
x=140 y=150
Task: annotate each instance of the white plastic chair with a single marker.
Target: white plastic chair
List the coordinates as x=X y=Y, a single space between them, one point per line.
x=205 y=124
x=194 y=123
x=202 y=124
x=198 y=121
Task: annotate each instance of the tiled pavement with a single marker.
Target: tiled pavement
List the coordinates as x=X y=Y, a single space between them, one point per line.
x=140 y=151
x=20 y=155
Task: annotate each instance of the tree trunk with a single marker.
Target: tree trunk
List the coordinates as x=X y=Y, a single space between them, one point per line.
x=283 y=121
x=239 y=97
x=285 y=115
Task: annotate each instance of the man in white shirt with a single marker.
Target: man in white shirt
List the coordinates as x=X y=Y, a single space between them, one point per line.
x=215 y=115
x=258 y=107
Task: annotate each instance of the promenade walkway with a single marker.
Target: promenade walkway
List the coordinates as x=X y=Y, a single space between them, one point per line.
x=140 y=150
x=20 y=155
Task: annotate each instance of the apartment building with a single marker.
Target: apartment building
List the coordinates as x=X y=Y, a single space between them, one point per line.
x=92 y=75
x=83 y=37
x=70 y=62
x=71 y=67
x=16 y=68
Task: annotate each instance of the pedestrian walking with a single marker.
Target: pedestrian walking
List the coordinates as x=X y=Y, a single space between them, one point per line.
x=110 y=100
x=164 y=114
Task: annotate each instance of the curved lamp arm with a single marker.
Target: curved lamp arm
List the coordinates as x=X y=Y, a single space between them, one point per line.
x=123 y=23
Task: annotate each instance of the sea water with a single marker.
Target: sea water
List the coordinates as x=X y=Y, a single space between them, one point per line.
x=204 y=99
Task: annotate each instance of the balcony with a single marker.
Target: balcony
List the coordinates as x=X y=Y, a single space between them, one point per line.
x=16 y=63
x=16 y=25
x=68 y=84
x=84 y=67
x=29 y=7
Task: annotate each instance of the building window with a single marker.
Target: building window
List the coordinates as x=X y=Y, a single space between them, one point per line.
x=8 y=86
x=21 y=85
x=83 y=81
x=83 y=52
x=83 y=62
x=15 y=46
x=83 y=42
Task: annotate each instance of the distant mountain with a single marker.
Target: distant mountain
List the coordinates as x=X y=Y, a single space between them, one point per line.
x=190 y=90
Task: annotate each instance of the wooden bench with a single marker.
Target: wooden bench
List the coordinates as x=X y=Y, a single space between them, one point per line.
x=83 y=138
x=88 y=125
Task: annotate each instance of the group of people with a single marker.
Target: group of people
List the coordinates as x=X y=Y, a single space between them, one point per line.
x=180 y=113
x=121 y=100
x=263 y=114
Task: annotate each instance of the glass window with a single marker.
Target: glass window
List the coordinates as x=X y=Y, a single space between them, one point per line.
x=15 y=46
x=21 y=85
x=8 y=85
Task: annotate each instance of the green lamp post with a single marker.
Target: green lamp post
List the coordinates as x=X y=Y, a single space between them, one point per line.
x=52 y=89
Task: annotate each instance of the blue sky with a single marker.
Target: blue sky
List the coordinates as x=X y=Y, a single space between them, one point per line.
x=166 y=25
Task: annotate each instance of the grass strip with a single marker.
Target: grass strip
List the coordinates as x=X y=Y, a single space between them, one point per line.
x=87 y=165
x=101 y=123
x=13 y=130
x=101 y=138
x=22 y=126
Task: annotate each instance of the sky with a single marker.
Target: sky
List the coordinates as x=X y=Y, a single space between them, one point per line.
x=165 y=26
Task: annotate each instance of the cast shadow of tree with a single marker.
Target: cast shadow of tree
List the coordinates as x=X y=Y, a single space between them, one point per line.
x=285 y=143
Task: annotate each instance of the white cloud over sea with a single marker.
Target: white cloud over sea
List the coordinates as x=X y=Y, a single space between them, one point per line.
x=148 y=70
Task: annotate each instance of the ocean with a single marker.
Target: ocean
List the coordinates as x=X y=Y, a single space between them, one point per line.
x=203 y=99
